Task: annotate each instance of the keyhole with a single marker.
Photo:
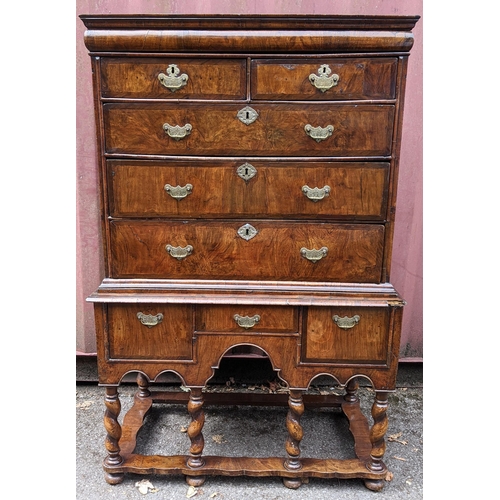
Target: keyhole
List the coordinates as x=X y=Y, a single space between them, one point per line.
x=172 y=70
x=248 y=115
x=324 y=70
x=247 y=231
x=246 y=171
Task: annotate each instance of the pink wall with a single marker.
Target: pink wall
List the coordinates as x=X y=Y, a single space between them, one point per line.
x=407 y=255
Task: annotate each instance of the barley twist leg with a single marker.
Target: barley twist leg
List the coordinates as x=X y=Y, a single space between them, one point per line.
x=114 y=432
x=195 y=460
x=295 y=435
x=377 y=438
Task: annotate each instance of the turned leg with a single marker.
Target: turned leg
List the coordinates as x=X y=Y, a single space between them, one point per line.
x=295 y=435
x=377 y=434
x=114 y=432
x=351 y=395
x=195 y=460
x=143 y=386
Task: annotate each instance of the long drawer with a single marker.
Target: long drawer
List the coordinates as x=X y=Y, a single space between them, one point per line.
x=247 y=249
x=310 y=129
x=260 y=189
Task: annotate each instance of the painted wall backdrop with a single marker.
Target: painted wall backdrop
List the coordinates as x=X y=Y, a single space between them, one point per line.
x=407 y=264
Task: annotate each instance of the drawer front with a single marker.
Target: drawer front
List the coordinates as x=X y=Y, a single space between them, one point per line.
x=246 y=319
x=324 y=79
x=247 y=249
x=229 y=189
x=358 y=130
x=346 y=335
x=173 y=78
x=150 y=331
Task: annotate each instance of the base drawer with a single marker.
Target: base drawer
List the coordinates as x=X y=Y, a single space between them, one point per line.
x=150 y=331
x=246 y=319
x=347 y=335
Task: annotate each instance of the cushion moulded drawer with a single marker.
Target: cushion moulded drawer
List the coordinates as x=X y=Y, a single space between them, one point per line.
x=245 y=319
x=347 y=335
x=150 y=331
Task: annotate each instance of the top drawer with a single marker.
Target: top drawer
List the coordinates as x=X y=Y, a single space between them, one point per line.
x=173 y=78
x=324 y=79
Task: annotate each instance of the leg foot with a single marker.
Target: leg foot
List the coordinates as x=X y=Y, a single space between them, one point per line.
x=293 y=484
x=114 y=478
x=195 y=481
x=374 y=484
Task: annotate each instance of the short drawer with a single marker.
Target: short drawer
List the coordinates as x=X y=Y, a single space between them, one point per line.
x=323 y=79
x=173 y=78
x=245 y=319
x=229 y=189
x=247 y=249
x=346 y=335
x=150 y=331
x=309 y=129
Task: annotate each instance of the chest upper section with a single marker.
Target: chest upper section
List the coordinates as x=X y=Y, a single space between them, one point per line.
x=266 y=86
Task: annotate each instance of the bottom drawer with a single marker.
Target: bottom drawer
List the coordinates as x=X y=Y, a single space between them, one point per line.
x=347 y=335
x=150 y=331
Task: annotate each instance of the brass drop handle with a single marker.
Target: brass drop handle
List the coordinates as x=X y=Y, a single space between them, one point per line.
x=323 y=81
x=319 y=133
x=316 y=194
x=172 y=80
x=346 y=323
x=177 y=132
x=178 y=192
x=150 y=320
x=314 y=255
x=246 y=321
x=179 y=253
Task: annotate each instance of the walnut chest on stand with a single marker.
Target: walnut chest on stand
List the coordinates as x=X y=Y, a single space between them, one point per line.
x=248 y=174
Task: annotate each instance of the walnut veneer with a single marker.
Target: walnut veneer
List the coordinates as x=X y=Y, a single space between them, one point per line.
x=248 y=172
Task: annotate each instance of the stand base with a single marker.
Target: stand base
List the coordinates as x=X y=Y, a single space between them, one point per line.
x=247 y=466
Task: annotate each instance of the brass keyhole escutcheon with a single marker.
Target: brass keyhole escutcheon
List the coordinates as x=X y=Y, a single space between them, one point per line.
x=246 y=171
x=247 y=115
x=247 y=232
